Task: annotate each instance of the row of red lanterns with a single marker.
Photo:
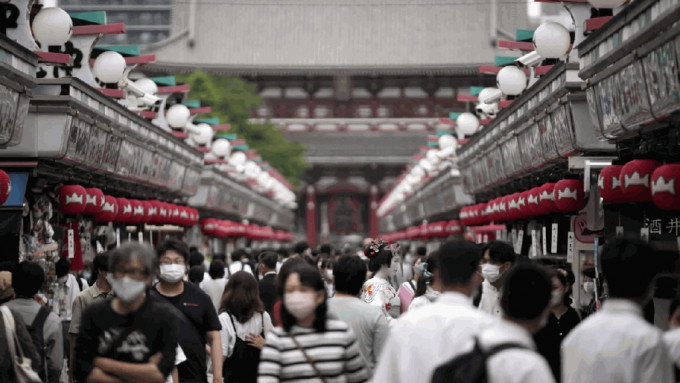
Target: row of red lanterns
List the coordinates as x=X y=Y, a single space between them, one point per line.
x=77 y=200
x=642 y=181
x=223 y=228
x=558 y=197
x=431 y=230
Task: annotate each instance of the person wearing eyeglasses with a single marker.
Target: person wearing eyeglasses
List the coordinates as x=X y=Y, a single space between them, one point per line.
x=129 y=338
x=199 y=325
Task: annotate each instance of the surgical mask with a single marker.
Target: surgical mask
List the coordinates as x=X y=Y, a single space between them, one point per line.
x=62 y=279
x=491 y=272
x=589 y=287
x=300 y=304
x=556 y=297
x=329 y=274
x=128 y=289
x=172 y=273
x=87 y=275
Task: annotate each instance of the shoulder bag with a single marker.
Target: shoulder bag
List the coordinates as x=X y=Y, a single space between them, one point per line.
x=23 y=372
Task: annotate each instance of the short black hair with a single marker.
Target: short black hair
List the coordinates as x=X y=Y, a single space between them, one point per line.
x=500 y=252
x=421 y=251
x=196 y=259
x=526 y=292
x=220 y=257
x=629 y=267
x=421 y=285
x=237 y=254
x=283 y=252
x=326 y=249
x=269 y=259
x=216 y=269
x=196 y=274
x=173 y=245
x=458 y=261
x=300 y=247
x=100 y=262
x=349 y=273
x=27 y=279
x=62 y=267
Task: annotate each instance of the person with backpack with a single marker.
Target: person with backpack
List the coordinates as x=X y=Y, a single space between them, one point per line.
x=425 y=338
x=505 y=352
x=43 y=325
x=244 y=325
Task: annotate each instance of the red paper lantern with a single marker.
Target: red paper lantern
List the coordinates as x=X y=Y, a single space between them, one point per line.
x=72 y=199
x=150 y=211
x=503 y=209
x=454 y=227
x=514 y=206
x=174 y=214
x=479 y=213
x=568 y=195
x=184 y=219
x=546 y=199
x=124 y=211
x=5 y=187
x=666 y=187
x=464 y=215
x=109 y=210
x=610 y=184
x=532 y=197
x=636 y=177
x=163 y=213
x=138 y=212
x=94 y=201
x=210 y=226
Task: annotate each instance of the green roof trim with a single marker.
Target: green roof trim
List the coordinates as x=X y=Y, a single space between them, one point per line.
x=98 y=17
x=524 y=35
x=192 y=104
x=241 y=148
x=227 y=136
x=504 y=60
x=125 y=50
x=475 y=90
x=208 y=120
x=166 y=80
x=443 y=133
x=454 y=115
x=432 y=144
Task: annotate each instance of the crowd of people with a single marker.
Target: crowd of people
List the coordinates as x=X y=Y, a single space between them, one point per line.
x=463 y=313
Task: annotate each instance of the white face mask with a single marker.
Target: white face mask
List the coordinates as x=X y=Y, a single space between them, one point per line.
x=556 y=297
x=172 y=273
x=329 y=274
x=300 y=304
x=491 y=272
x=62 y=279
x=128 y=289
x=589 y=287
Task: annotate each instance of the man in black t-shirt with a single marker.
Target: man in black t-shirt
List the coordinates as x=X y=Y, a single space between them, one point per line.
x=130 y=337
x=199 y=324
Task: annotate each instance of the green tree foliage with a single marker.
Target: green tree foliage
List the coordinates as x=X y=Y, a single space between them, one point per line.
x=231 y=100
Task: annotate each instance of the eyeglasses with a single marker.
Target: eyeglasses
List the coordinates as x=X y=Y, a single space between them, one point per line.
x=167 y=262
x=133 y=272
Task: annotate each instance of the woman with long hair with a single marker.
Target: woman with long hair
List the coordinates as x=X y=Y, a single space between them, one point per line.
x=244 y=325
x=309 y=347
x=407 y=290
x=378 y=291
x=428 y=288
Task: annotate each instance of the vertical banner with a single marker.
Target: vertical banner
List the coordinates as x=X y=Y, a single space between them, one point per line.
x=570 y=247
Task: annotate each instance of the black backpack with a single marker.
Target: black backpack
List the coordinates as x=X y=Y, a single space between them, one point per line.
x=241 y=366
x=469 y=367
x=36 y=331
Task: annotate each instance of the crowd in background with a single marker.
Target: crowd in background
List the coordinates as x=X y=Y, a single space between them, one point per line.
x=463 y=313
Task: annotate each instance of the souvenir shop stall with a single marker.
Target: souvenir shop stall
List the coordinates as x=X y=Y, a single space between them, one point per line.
x=90 y=158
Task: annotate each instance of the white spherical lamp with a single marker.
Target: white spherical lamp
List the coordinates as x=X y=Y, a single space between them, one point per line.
x=252 y=170
x=109 y=67
x=177 y=116
x=487 y=94
x=607 y=3
x=203 y=134
x=426 y=165
x=447 y=141
x=147 y=86
x=52 y=26
x=467 y=124
x=552 y=40
x=220 y=147
x=432 y=156
x=418 y=171
x=511 y=80
x=238 y=159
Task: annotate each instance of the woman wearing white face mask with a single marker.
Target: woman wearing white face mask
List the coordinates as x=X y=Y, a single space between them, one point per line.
x=313 y=347
x=563 y=318
x=378 y=291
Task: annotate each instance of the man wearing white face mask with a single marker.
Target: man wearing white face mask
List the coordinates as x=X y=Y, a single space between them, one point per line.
x=130 y=338
x=199 y=324
x=498 y=259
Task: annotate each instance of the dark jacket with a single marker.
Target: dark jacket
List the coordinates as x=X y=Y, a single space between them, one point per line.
x=268 y=292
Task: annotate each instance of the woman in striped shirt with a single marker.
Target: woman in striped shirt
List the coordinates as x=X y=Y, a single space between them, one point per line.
x=309 y=347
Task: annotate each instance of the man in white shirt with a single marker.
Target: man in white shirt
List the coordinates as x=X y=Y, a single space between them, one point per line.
x=672 y=337
x=498 y=258
x=62 y=303
x=616 y=344
x=239 y=262
x=525 y=299
x=425 y=338
x=214 y=284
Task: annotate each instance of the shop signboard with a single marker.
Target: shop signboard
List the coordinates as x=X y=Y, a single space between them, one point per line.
x=662 y=78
